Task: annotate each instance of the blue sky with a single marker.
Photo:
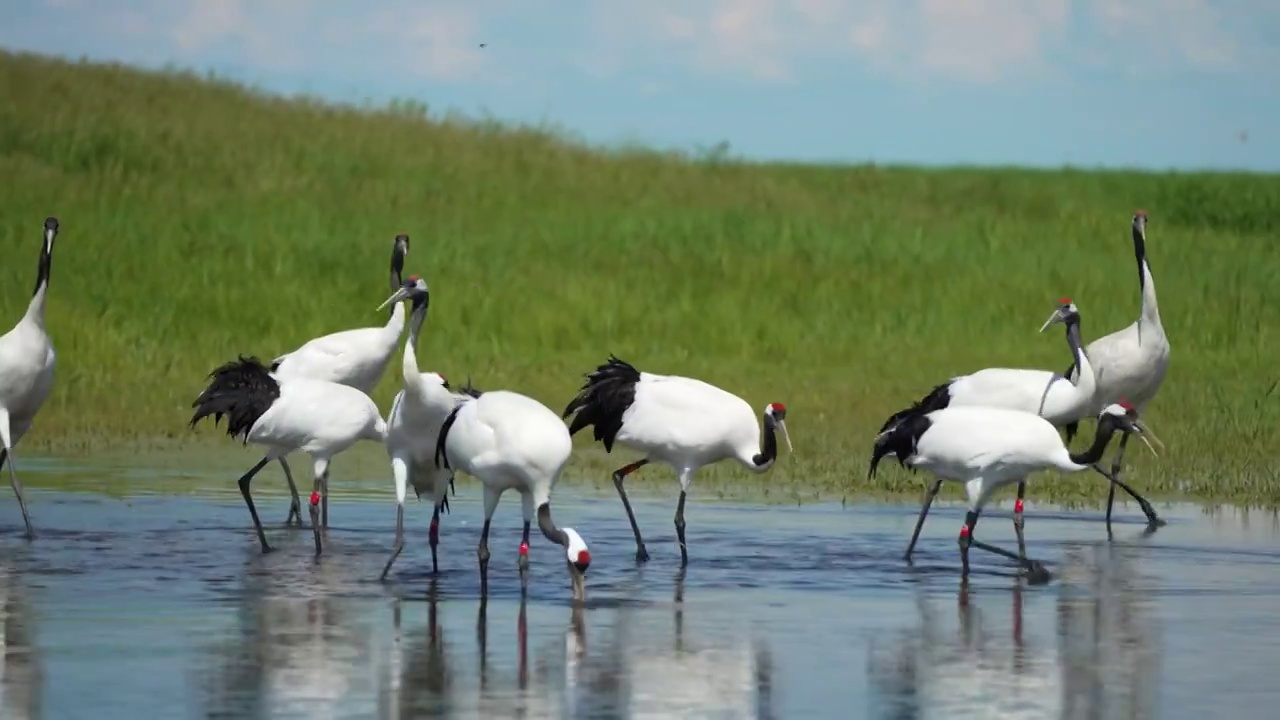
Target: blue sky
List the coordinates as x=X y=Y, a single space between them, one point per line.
x=1133 y=83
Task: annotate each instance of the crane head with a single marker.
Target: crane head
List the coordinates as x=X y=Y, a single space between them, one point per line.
x=1140 y=222
x=1065 y=313
x=778 y=413
x=1124 y=416
x=414 y=288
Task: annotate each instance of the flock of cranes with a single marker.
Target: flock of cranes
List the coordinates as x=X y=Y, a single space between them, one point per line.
x=987 y=429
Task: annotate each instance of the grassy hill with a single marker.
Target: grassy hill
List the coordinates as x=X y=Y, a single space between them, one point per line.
x=201 y=220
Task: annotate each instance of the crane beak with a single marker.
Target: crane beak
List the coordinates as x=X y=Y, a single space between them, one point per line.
x=397 y=296
x=1144 y=432
x=782 y=428
x=579 y=584
x=1056 y=317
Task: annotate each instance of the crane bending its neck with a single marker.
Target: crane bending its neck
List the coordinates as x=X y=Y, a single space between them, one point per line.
x=1106 y=428
x=774 y=421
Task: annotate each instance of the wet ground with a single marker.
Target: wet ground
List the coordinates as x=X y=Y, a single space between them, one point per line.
x=162 y=606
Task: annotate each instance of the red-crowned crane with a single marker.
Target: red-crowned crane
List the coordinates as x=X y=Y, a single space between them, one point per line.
x=1130 y=362
x=356 y=358
x=683 y=422
x=510 y=441
x=316 y=417
x=1041 y=392
x=987 y=448
x=27 y=361
x=417 y=415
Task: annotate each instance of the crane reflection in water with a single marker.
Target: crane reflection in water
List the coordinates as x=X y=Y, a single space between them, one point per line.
x=300 y=648
x=21 y=672
x=1106 y=663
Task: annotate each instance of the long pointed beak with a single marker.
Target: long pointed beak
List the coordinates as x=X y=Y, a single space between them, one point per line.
x=1144 y=432
x=397 y=296
x=1140 y=429
x=579 y=584
x=1055 y=317
x=782 y=428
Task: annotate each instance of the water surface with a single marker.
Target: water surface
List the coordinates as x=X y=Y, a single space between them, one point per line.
x=162 y=606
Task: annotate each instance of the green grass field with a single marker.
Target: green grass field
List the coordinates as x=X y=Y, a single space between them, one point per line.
x=201 y=220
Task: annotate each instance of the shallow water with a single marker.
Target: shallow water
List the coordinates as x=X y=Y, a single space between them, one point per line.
x=162 y=606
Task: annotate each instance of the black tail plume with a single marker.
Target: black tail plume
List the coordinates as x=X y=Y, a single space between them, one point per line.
x=443 y=437
x=603 y=399
x=937 y=399
x=900 y=440
x=241 y=389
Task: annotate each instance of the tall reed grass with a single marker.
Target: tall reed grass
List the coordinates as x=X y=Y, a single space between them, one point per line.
x=201 y=219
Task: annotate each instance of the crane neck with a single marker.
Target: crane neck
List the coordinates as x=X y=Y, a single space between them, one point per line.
x=35 y=308
x=416 y=318
x=1146 y=283
x=395 y=324
x=768 y=451
x=1106 y=428
x=548 y=526
x=1086 y=383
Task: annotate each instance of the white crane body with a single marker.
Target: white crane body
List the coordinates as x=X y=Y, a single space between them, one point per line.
x=988 y=448
x=319 y=418
x=27 y=363
x=417 y=417
x=683 y=422
x=510 y=441
x=357 y=358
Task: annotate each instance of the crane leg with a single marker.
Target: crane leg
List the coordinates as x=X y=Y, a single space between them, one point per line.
x=17 y=490
x=398 y=545
x=324 y=502
x=523 y=560
x=1153 y=520
x=434 y=536
x=1017 y=519
x=1035 y=570
x=295 y=504
x=482 y=553
x=315 y=505
x=248 y=500
x=684 y=552
x=618 y=476
x=924 y=512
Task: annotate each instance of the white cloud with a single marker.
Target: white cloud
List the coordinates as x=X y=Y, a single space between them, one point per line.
x=436 y=39
x=978 y=41
x=770 y=41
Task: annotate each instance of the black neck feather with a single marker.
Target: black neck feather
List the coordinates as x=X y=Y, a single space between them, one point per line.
x=1106 y=428
x=769 y=447
x=548 y=526
x=397 y=267
x=1073 y=342
x=1140 y=253
x=46 y=265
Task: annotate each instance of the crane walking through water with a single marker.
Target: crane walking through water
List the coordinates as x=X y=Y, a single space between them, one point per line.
x=683 y=422
x=417 y=416
x=27 y=361
x=357 y=358
x=1040 y=392
x=1130 y=362
x=987 y=448
x=316 y=417
x=510 y=441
